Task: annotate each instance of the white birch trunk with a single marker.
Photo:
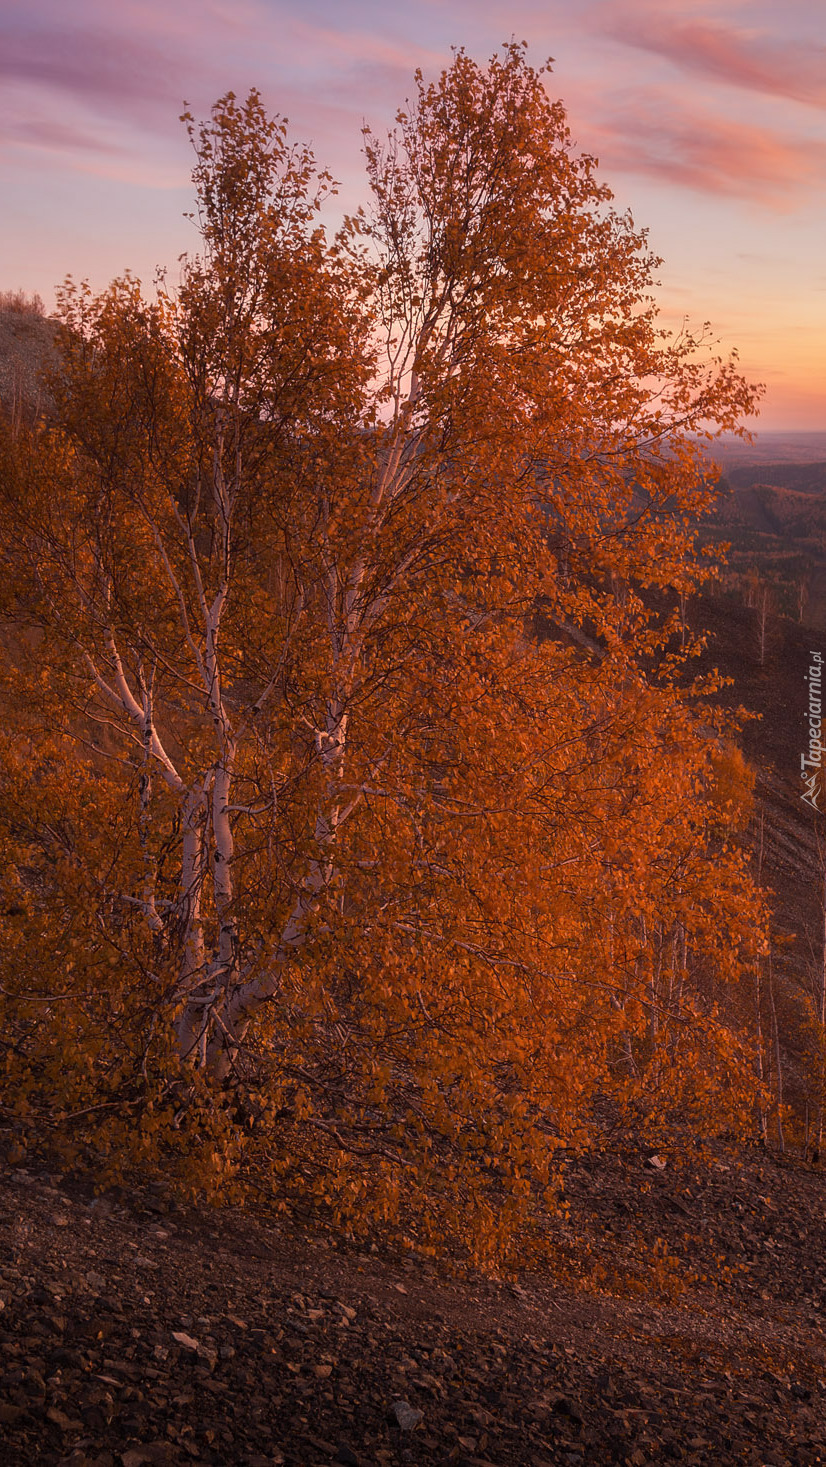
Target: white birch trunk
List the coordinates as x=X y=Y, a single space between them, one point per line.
x=244 y=1000
x=191 y=887
x=222 y=854
x=145 y=794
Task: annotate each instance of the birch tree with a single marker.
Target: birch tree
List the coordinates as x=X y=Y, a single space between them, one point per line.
x=277 y=559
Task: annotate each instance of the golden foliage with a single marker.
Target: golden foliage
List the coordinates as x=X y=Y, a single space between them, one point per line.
x=325 y=874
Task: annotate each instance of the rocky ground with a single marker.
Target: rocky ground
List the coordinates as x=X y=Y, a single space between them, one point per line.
x=681 y=1322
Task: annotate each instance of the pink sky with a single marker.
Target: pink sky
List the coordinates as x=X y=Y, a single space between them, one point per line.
x=709 y=120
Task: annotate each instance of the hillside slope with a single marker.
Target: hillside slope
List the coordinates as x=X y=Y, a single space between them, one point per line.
x=681 y=1320
x=784 y=832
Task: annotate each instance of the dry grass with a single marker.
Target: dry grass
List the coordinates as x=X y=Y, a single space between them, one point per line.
x=21 y=303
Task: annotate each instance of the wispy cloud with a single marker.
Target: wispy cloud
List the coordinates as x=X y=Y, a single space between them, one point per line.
x=133 y=64
x=364 y=47
x=749 y=58
x=654 y=134
x=57 y=136
x=100 y=68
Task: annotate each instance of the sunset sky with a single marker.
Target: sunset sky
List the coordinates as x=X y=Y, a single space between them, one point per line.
x=709 y=121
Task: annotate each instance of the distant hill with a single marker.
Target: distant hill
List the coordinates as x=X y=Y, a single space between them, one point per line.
x=771 y=513
x=802 y=478
x=769 y=448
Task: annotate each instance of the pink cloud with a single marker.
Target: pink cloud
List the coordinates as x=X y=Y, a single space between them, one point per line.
x=57 y=136
x=134 y=64
x=93 y=65
x=366 y=48
x=655 y=135
x=759 y=62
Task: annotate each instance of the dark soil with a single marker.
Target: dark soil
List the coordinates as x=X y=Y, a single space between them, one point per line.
x=681 y=1320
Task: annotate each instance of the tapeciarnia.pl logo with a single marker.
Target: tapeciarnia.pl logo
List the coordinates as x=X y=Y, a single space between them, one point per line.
x=811 y=763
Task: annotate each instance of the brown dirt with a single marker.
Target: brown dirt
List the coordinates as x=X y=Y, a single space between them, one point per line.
x=679 y=1320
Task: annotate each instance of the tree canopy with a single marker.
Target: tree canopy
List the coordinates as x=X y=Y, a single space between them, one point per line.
x=365 y=828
